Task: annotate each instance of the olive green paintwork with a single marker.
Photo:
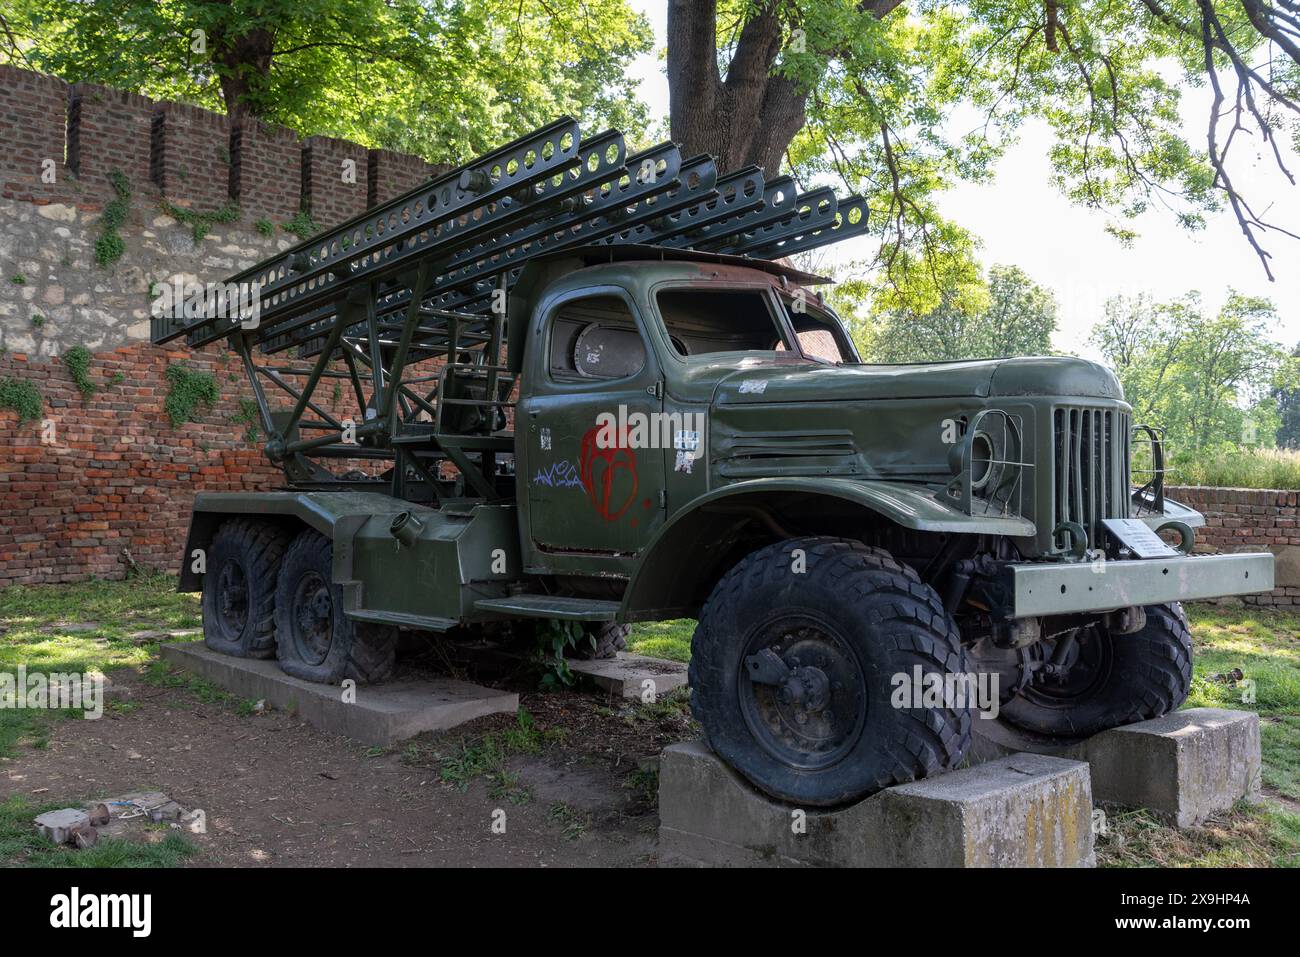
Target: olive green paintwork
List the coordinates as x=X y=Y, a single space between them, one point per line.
x=869 y=440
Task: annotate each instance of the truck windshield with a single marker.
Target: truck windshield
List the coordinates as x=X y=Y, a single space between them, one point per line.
x=703 y=321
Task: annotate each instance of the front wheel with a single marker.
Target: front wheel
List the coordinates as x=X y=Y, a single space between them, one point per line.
x=796 y=665
x=316 y=640
x=1108 y=680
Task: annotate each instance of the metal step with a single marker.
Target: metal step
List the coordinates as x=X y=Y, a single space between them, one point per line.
x=551 y=606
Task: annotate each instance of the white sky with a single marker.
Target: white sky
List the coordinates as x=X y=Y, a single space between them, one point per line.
x=1024 y=221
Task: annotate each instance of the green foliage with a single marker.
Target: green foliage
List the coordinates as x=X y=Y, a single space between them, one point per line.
x=18 y=279
x=248 y=415
x=265 y=227
x=38 y=321
x=1238 y=468
x=1010 y=316
x=1287 y=396
x=23 y=397
x=189 y=390
x=302 y=225
x=77 y=362
x=201 y=222
x=446 y=79
x=109 y=245
x=554 y=638
x=1209 y=380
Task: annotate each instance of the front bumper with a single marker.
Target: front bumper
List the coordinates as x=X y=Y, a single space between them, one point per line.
x=1049 y=588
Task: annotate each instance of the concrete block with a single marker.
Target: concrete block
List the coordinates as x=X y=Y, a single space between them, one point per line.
x=381 y=715
x=625 y=675
x=58 y=826
x=1027 y=810
x=1184 y=767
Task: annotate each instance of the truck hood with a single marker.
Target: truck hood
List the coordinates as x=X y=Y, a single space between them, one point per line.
x=778 y=380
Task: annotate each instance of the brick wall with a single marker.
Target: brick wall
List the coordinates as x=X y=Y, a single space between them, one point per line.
x=192 y=155
x=32 y=130
x=189 y=155
x=334 y=179
x=108 y=130
x=266 y=171
x=117 y=475
x=1251 y=520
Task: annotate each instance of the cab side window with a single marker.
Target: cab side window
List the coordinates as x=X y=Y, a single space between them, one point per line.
x=595 y=338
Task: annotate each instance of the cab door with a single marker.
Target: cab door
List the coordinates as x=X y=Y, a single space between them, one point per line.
x=594 y=479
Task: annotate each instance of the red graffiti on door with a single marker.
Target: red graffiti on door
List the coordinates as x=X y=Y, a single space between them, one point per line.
x=599 y=467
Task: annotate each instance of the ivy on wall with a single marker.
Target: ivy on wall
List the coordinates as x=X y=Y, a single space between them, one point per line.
x=109 y=247
x=188 y=391
x=23 y=397
x=77 y=362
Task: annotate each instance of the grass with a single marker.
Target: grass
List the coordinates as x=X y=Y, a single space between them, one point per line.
x=486 y=757
x=40 y=629
x=663 y=639
x=1249 y=467
x=21 y=845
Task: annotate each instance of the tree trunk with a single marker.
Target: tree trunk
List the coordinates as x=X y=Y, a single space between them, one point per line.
x=750 y=116
x=245 y=64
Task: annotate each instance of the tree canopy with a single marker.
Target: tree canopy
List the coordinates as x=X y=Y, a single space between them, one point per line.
x=902 y=99
x=446 y=79
x=1015 y=317
x=1209 y=380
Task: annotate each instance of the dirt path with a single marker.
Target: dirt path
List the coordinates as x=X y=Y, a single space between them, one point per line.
x=278 y=792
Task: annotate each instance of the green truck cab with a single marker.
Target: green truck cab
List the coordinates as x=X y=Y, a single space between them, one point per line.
x=883 y=559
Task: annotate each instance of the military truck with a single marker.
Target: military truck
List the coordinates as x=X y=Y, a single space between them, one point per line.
x=590 y=387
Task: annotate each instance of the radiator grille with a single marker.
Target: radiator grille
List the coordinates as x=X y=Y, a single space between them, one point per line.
x=1091 y=467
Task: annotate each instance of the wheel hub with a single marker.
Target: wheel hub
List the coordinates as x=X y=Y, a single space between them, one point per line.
x=232 y=599
x=313 y=614
x=802 y=693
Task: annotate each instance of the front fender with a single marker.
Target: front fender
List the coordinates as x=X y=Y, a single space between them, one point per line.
x=664 y=583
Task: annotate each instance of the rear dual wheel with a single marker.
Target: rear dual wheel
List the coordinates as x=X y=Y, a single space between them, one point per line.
x=239 y=588
x=267 y=593
x=315 y=640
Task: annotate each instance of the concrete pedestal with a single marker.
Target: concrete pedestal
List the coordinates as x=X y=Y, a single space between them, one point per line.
x=1027 y=810
x=1183 y=767
x=382 y=714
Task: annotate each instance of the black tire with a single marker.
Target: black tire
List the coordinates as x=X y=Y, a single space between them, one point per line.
x=317 y=641
x=1128 y=678
x=602 y=640
x=858 y=618
x=239 y=588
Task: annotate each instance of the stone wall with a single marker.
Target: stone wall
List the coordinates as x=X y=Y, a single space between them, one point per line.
x=106 y=475
x=1251 y=520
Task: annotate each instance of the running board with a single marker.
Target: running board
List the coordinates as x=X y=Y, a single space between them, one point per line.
x=550 y=606
x=403 y=620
